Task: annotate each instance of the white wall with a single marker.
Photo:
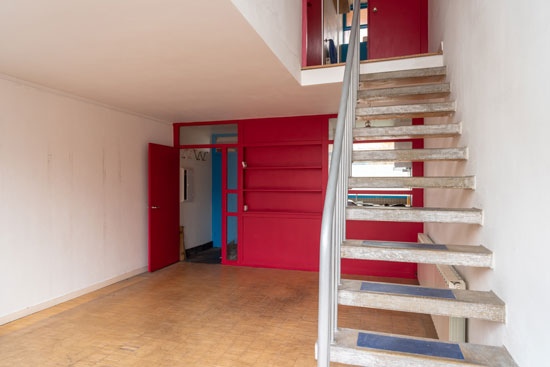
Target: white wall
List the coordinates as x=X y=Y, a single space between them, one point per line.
x=196 y=214
x=279 y=24
x=73 y=195
x=497 y=54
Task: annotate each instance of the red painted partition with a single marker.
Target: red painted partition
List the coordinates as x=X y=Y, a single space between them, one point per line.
x=282 y=241
x=283 y=190
x=282 y=183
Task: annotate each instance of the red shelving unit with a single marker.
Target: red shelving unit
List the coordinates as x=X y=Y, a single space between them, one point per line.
x=284 y=171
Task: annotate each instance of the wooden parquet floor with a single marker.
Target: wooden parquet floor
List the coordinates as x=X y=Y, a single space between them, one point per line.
x=191 y=315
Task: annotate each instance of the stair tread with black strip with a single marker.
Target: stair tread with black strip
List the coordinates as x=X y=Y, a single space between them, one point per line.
x=368 y=348
x=412 y=298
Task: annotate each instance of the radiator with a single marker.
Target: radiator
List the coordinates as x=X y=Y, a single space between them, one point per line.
x=443 y=276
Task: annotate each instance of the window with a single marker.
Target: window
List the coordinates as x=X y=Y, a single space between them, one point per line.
x=208 y=134
x=380 y=169
x=347 y=18
x=378 y=196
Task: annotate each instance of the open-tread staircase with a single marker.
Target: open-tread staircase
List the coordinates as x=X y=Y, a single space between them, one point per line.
x=382 y=96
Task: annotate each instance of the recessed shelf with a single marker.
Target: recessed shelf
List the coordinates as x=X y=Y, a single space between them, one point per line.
x=281 y=167
x=284 y=144
x=281 y=213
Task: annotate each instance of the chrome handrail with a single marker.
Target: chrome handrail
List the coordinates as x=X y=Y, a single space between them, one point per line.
x=333 y=227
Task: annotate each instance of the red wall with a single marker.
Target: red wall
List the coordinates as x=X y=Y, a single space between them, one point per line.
x=283 y=186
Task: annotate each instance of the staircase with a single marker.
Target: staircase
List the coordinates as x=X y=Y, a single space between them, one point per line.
x=411 y=94
x=401 y=94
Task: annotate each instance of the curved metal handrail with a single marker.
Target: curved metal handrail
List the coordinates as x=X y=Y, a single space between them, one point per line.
x=333 y=222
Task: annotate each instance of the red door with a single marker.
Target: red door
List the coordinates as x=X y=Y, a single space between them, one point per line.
x=163 y=206
x=314 y=32
x=397 y=28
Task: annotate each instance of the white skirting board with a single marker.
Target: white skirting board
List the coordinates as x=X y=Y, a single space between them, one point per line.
x=451 y=329
x=42 y=306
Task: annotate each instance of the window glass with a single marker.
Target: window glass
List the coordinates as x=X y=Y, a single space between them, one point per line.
x=208 y=134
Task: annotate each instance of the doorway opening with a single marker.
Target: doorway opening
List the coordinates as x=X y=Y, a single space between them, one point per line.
x=209 y=211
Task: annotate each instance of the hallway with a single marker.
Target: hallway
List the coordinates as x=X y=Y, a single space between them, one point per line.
x=191 y=315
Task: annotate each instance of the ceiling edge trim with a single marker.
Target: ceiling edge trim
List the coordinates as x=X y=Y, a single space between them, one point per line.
x=61 y=93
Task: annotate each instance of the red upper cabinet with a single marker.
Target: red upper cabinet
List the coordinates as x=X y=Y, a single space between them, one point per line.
x=397 y=28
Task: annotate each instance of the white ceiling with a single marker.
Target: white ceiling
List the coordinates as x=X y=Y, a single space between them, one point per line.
x=175 y=60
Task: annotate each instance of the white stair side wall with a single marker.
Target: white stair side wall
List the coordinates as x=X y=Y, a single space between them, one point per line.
x=279 y=24
x=335 y=74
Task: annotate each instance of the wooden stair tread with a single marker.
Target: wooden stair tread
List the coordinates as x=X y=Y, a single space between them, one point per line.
x=477 y=256
x=464 y=182
x=412 y=214
x=434 y=90
x=413 y=298
x=404 y=74
x=432 y=109
x=411 y=155
x=407 y=132
x=367 y=348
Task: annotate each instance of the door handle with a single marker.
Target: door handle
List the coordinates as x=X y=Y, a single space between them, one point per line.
x=375 y=10
x=155 y=207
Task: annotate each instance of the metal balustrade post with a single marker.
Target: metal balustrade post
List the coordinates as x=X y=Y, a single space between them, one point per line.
x=333 y=222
